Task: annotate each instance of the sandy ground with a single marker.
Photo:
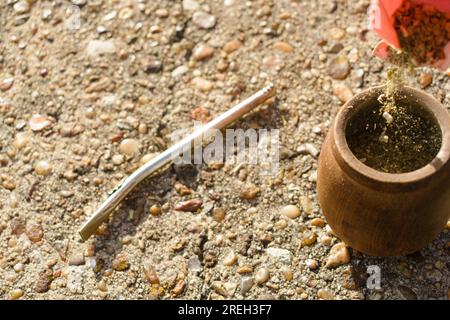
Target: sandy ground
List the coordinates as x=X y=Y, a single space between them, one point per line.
x=73 y=90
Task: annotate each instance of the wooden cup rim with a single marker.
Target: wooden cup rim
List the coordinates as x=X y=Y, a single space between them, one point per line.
x=396 y=181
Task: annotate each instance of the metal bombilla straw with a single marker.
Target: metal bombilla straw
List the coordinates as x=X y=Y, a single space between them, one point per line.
x=125 y=187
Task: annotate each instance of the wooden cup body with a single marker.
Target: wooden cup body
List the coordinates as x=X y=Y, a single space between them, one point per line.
x=377 y=213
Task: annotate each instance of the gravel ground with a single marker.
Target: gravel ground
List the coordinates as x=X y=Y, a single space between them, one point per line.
x=84 y=102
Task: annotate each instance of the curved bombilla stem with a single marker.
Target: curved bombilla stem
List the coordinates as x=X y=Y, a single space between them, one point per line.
x=126 y=185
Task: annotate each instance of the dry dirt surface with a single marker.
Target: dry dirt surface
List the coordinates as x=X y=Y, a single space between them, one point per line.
x=91 y=89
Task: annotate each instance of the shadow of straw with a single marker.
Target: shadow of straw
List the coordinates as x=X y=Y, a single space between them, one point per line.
x=130 y=214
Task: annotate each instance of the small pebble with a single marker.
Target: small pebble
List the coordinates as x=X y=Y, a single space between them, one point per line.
x=21 y=7
x=312 y=264
x=151 y=275
x=218 y=214
x=76 y=259
x=120 y=263
x=179 y=71
x=222 y=66
x=325 y=294
x=109 y=16
x=201 y=114
x=79 y=3
x=162 y=13
x=309 y=238
x=306 y=204
x=202 y=84
x=318 y=222
x=190 y=5
x=118 y=159
x=44 y=279
x=155 y=210
x=287 y=273
x=125 y=13
x=189 y=206
x=99 y=47
x=35 y=233
x=308 y=148
x=9 y=184
x=230 y=259
x=338 y=256
x=290 y=211
x=21 y=140
x=342 y=92
x=283 y=47
x=153 y=66
x=90 y=250
x=357 y=77
x=244 y=269
x=339 y=68
x=38 y=122
x=336 y=33
x=182 y=189
x=46 y=14
x=353 y=55
x=129 y=147
x=101 y=285
x=282 y=255
x=203 y=20
x=261 y=276
x=179 y=288
x=249 y=192
x=246 y=284
x=425 y=79
x=15 y=294
x=194 y=264
x=19 y=267
x=281 y=224
x=43 y=168
x=6 y=83
x=232 y=46
x=336 y=48
x=202 y=52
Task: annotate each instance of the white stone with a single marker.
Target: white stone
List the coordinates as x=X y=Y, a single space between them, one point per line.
x=290 y=211
x=190 y=5
x=109 y=16
x=43 y=168
x=194 y=264
x=204 y=20
x=21 y=7
x=179 y=71
x=98 y=47
x=118 y=159
x=74 y=279
x=282 y=255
